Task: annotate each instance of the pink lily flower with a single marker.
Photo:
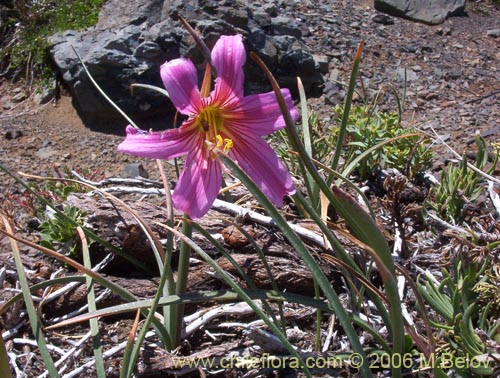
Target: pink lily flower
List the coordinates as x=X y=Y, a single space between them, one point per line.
x=225 y=120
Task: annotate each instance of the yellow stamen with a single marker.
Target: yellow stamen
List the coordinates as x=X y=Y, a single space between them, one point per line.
x=226 y=144
x=210 y=121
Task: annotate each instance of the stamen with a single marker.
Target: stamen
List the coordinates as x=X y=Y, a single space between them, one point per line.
x=228 y=144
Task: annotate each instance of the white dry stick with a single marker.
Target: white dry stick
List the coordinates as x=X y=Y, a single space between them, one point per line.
x=495 y=198
x=57 y=293
x=469 y=165
x=219 y=205
x=69 y=353
x=79 y=311
x=28 y=112
x=140 y=181
x=13 y=363
x=241 y=308
x=110 y=352
x=329 y=335
x=226 y=207
x=33 y=343
x=3 y=275
x=13 y=330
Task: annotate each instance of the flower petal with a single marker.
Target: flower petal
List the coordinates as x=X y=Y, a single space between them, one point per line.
x=260 y=162
x=198 y=185
x=228 y=58
x=160 y=145
x=181 y=82
x=259 y=114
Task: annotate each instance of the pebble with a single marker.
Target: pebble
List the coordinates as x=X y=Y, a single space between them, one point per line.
x=495 y=33
x=383 y=19
x=13 y=134
x=134 y=170
x=19 y=97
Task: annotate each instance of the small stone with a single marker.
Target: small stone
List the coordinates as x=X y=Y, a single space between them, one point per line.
x=495 y=33
x=432 y=96
x=383 y=19
x=408 y=49
x=334 y=75
x=6 y=104
x=13 y=134
x=18 y=97
x=45 y=153
x=134 y=170
x=443 y=31
x=285 y=26
x=455 y=74
x=406 y=74
x=44 y=95
x=235 y=238
x=270 y=9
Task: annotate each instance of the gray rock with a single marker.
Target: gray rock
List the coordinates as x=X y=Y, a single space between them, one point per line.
x=131 y=40
x=284 y=26
x=427 y=11
x=405 y=74
x=46 y=153
x=495 y=33
x=134 y=170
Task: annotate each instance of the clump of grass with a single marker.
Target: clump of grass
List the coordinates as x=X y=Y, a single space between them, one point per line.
x=26 y=25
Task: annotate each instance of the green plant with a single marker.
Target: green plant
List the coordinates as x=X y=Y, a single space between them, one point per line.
x=461 y=185
x=467 y=325
x=58 y=232
x=367 y=128
x=393 y=146
x=26 y=25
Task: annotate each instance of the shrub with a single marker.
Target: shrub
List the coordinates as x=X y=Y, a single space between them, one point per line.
x=26 y=25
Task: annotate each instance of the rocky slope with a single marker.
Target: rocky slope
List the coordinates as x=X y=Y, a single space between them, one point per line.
x=448 y=76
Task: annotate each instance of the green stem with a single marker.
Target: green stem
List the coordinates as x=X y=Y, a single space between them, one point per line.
x=345 y=115
x=317 y=294
x=182 y=276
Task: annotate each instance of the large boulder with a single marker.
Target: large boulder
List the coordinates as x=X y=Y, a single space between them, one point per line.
x=132 y=39
x=427 y=11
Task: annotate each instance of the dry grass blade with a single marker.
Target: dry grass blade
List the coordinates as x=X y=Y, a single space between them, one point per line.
x=36 y=325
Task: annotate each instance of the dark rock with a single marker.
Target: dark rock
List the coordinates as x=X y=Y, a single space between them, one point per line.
x=132 y=40
x=454 y=74
x=443 y=31
x=13 y=134
x=383 y=19
x=427 y=11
